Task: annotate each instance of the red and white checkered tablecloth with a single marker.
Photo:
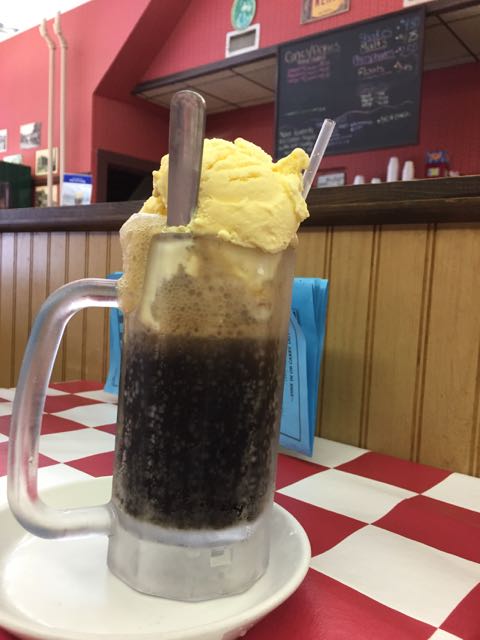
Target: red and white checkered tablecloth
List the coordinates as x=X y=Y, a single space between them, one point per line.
x=395 y=545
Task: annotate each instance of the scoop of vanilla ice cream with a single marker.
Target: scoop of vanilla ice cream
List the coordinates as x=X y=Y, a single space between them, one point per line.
x=245 y=198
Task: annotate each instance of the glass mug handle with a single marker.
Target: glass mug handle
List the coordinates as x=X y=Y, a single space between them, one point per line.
x=32 y=513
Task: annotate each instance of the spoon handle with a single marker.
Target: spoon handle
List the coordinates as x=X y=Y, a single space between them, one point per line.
x=187 y=130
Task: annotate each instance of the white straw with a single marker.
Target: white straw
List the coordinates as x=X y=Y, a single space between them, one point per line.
x=317 y=154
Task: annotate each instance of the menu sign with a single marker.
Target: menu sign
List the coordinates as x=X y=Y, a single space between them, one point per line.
x=366 y=77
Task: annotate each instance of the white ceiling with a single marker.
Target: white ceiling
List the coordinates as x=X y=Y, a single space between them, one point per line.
x=452 y=38
x=241 y=86
x=19 y=15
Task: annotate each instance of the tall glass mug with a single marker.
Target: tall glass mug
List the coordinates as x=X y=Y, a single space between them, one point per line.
x=198 y=417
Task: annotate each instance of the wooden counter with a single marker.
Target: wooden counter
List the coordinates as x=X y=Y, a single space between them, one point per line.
x=401 y=369
x=416 y=202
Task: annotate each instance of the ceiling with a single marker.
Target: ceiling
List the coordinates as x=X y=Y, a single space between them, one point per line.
x=451 y=38
x=240 y=86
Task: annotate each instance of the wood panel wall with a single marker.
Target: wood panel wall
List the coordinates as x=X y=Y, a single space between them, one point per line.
x=32 y=265
x=401 y=368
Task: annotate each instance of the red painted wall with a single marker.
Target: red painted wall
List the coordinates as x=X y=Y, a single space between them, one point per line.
x=199 y=37
x=449 y=120
x=107 y=57
x=136 y=130
x=94 y=39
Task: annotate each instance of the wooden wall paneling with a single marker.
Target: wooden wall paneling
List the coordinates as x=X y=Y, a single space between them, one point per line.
x=475 y=453
x=56 y=277
x=39 y=274
x=395 y=327
x=22 y=296
x=94 y=348
x=75 y=258
x=115 y=255
x=7 y=284
x=312 y=253
x=423 y=342
x=345 y=344
x=448 y=424
x=114 y=264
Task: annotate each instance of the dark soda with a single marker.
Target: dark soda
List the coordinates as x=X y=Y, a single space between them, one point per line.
x=197 y=432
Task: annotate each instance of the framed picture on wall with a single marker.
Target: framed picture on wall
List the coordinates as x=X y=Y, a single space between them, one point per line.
x=41 y=195
x=319 y=9
x=30 y=135
x=41 y=161
x=3 y=140
x=331 y=178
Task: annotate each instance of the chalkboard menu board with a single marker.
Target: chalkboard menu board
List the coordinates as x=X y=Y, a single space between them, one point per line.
x=366 y=77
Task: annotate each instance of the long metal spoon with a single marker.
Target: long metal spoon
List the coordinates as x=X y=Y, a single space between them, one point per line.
x=186 y=133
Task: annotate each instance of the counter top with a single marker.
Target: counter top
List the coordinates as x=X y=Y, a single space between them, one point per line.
x=440 y=200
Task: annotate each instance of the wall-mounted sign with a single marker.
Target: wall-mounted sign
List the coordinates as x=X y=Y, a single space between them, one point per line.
x=365 y=76
x=318 y=9
x=77 y=189
x=243 y=12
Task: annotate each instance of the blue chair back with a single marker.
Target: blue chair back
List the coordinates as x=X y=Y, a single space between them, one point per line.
x=116 y=335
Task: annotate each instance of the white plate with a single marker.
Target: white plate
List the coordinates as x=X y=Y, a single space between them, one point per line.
x=62 y=589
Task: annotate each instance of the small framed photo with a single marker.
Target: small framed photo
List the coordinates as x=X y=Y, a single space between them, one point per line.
x=30 y=135
x=331 y=178
x=3 y=140
x=41 y=161
x=319 y=9
x=41 y=196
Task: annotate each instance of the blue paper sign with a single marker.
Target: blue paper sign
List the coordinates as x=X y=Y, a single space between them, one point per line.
x=302 y=371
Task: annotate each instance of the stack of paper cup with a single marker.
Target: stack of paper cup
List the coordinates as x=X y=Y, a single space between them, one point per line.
x=359 y=180
x=393 y=169
x=408 y=171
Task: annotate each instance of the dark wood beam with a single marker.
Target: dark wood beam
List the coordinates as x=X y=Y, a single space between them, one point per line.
x=441 y=200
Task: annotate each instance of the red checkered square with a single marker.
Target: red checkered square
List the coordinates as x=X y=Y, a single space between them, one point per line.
x=464 y=621
x=290 y=470
x=54 y=424
x=108 y=428
x=50 y=424
x=437 y=524
x=55 y=404
x=76 y=386
x=324 y=528
x=43 y=461
x=401 y=473
x=325 y=608
x=97 y=465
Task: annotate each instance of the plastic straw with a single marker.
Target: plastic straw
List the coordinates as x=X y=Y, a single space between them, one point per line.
x=317 y=154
